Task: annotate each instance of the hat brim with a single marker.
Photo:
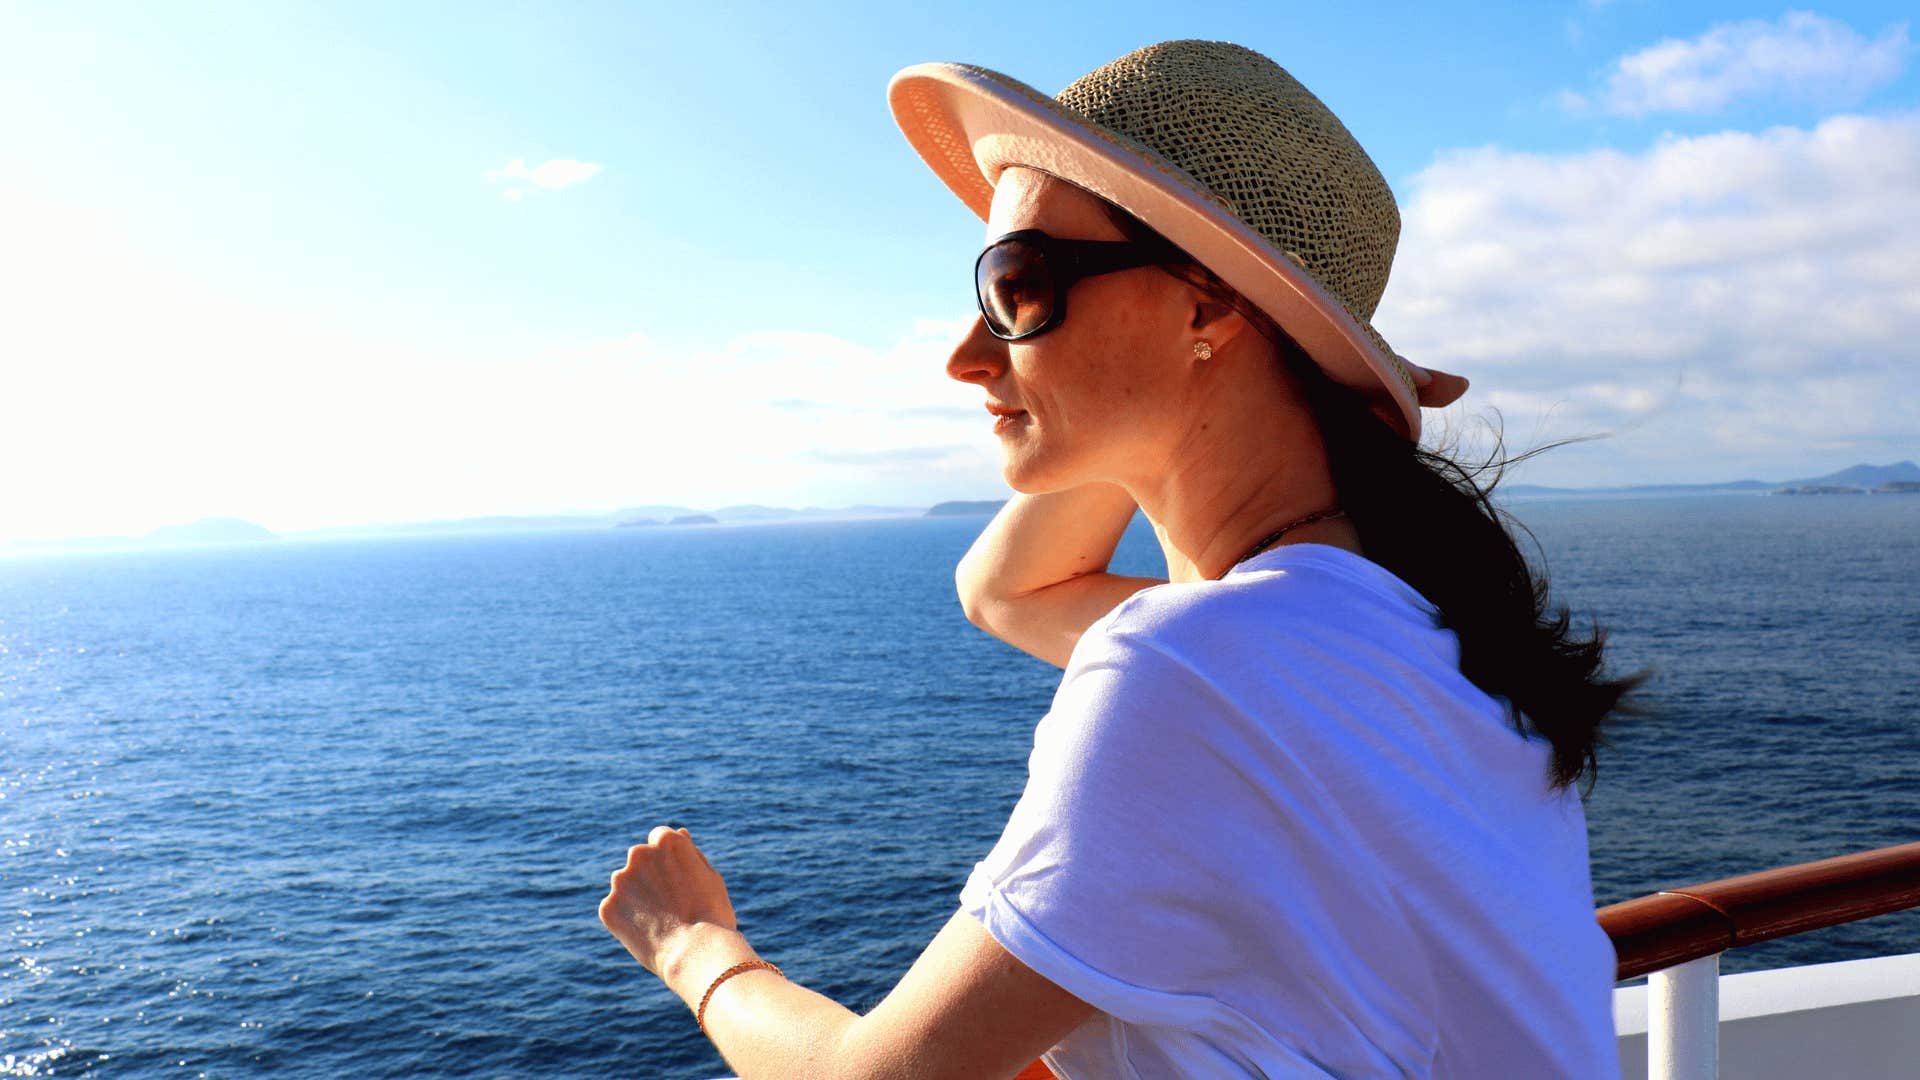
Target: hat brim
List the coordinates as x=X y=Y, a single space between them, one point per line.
x=969 y=124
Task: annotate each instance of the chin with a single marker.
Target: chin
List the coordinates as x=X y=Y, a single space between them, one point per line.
x=1022 y=487
x=1030 y=477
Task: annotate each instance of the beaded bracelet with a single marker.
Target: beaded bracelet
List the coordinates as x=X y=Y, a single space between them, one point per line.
x=700 y=1015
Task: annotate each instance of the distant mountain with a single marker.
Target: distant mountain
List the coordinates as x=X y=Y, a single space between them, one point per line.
x=215 y=530
x=965 y=509
x=498 y=523
x=734 y=514
x=1899 y=477
x=1857 y=476
x=207 y=532
x=661 y=512
x=1730 y=487
x=753 y=513
x=631 y=516
x=1863 y=476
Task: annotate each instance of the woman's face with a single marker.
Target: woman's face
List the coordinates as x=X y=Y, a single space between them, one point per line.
x=1104 y=395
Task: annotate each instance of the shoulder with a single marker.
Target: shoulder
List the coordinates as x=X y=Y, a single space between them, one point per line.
x=1184 y=645
x=1272 y=630
x=1291 y=597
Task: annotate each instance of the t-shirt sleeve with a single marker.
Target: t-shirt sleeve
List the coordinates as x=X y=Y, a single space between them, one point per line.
x=1113 y=875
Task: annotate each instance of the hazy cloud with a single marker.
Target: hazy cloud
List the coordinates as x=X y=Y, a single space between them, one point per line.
x=190 y=402
x=906 y=455
x=947 y=412
x=1723 y=301
x=1801 y=56
x=552 y=174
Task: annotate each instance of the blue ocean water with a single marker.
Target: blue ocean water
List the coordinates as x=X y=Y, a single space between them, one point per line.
x=332 y=809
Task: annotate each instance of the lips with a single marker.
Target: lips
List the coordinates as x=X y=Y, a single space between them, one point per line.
x=1007 y=415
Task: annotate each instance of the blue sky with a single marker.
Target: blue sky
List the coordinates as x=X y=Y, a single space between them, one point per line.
x=319 y=264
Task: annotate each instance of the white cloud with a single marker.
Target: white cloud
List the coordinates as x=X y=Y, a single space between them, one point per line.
x=1802 y=56
x=1736 y=304
x=552 y=175
x=1729 y=304
x=135 y=397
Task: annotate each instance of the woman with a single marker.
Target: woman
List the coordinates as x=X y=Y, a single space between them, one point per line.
x=1306 y=807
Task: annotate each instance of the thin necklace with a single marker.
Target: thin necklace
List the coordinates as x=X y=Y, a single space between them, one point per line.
x=1317 y=515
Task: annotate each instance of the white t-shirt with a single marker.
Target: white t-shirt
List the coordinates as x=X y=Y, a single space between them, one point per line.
x=1269 y=829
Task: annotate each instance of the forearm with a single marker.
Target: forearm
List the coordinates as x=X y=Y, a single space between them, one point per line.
x=1041 y=540
x=1037 y=575
x=763 y=1024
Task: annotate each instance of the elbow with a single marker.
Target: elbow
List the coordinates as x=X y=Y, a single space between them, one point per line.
x=977 y=608
x=974 y=600
x=853 y=1056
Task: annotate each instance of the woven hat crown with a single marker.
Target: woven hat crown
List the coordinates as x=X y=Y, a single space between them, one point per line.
x=1264 y=147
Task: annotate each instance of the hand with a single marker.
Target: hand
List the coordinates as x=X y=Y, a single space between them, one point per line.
x=667 y=888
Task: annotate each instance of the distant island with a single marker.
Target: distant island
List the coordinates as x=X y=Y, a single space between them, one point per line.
x=1892 y=487
x=213 y=530
x=1899 y=478
x=966 y=509
x=206 y=532
x=1866 y=477
x=227 y=532
x=629 y=517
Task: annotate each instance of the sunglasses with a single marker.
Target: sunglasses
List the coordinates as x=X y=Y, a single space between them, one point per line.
x=1021 y=279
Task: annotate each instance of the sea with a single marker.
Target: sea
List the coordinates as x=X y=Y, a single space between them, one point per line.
x=347 y=808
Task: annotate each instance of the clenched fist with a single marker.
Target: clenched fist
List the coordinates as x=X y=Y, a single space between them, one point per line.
x=666 y=888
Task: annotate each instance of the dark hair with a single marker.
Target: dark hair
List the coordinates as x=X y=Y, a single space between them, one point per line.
x=1430 y=520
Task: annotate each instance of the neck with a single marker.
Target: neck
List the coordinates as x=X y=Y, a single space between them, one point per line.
x=1234 y=479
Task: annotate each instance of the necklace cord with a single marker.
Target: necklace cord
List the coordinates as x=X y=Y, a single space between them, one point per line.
x=1275 y=535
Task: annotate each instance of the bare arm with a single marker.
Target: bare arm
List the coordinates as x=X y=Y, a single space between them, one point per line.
x=1037 y=576
x=967 y=1008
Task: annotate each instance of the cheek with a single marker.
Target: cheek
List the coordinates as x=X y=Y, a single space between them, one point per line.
x=1098 y=380
x=1122 y=387
x=1103 y=410
x=1112 y=393
x=1129 y=367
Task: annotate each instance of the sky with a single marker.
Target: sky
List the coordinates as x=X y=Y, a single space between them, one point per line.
x=330 y=264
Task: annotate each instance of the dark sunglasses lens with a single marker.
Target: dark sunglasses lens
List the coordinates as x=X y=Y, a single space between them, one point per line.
x=1015 y=287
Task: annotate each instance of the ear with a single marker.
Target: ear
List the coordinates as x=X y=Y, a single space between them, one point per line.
x=1218 y=323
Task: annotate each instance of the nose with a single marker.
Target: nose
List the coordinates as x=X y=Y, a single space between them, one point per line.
x=980 y=357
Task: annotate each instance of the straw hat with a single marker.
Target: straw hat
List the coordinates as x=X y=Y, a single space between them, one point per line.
x=1222 y=152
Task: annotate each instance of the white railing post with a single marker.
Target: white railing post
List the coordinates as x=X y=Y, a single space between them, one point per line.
x=1683 y=1021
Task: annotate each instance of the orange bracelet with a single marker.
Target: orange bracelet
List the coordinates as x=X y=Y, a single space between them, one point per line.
x=700 y=1014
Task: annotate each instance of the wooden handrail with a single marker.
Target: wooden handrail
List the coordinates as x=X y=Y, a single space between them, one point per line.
x=1673 y=926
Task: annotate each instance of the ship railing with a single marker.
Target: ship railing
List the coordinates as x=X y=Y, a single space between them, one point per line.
x=1675 y=937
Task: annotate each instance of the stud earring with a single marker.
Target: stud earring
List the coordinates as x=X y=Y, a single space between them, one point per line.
x=1203 y=350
